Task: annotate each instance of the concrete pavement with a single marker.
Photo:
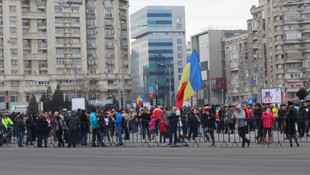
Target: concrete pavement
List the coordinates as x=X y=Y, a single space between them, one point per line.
x=133 y=161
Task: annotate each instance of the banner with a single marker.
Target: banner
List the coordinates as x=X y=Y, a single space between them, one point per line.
x=272 y=95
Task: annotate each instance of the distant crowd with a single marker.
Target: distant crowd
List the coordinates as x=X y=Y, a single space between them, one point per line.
x=72 y=128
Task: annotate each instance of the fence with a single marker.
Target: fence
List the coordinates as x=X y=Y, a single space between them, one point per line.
x=133 y=134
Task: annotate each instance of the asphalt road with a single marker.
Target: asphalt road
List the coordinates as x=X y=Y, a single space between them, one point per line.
x=136 y=161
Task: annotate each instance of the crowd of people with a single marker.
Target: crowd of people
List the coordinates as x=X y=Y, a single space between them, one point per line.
x=70 y=128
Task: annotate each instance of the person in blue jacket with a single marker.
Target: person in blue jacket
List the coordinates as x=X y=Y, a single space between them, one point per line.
x=95 y=128
x=118 y=126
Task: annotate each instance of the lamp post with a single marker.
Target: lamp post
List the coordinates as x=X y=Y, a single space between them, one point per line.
x=169 y=69
x=122 y=62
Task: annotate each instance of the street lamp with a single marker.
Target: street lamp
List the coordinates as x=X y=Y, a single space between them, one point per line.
x=169 y=69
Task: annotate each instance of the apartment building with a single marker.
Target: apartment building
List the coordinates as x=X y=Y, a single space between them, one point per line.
x=210 y=47
x=279 y=47
x=45 y=43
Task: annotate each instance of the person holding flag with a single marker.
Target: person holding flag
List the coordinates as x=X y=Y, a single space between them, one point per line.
x=191 y=80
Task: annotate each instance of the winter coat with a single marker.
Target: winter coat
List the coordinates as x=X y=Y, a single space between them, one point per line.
x=7 y=121
x=158 y=113
x=258 y=115
x=145 y=118
x=206 y=122
x=42 y=126
x=93 y=121
x=240 y=116
x=84 y=123
x=290 y=120
x=162 y=126
x=73 y=122
x=268 y=120
x=118 y=120
x=229 y=116
x=301 y=115
x=152 y=123
x=249 y=114
x=173 y=120
x=193 y=121
x=20 y=125
x=58 y=124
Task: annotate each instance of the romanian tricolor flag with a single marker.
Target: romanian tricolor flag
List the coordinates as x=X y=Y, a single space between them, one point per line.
x=191 y=80
x=139 y=100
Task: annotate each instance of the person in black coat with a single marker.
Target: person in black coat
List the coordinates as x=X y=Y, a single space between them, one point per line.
x=173 y=126
x=145 y=117
x=208 y=125
x=73 y=123
x=84 y=127
x=282 y=113
x=193 y=125
x=20 y=126
x=42 y=130
x=301 y=120
x=290 y=120
x=258 y=112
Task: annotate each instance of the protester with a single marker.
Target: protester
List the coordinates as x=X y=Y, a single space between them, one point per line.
x=208 y=124
x=163 y=130
x=95 y=128
x=42 y=130
x=258 y=112
x=290 y=120
x=118 y=126
x=59 y=127
x=173 y=122
x=239 y=114
x=84 y=127
x=20 y=126
x=73 y=122
x=267 y=120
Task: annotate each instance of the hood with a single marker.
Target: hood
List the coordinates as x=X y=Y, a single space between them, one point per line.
x=152 y=116
x=239 y=107
x=161 y=121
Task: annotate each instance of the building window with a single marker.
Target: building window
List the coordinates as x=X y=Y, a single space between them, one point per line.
x=43 y=72
x=41 y=10
x=27 y=72
x=12 y=18
x=93 y=96
x=60 y=40
x=13 y=40
x=14 y=83
x=59 y=30
x=179 y=48
x=59 y=9
x=179 y=26
x=12 y=8
x=14 y=98
x=180 y=55
x=27 y=97
x=13 y=72
x=13 y=29
x=94 y=82
x=179 y=41
x=59 y=20
x=74 y=9
x=180 y=70
x=60 y=51
x=1 y=64
x=1 y=83
x=91 y=12
x=14 y=62
x=75 y=30
x=110 y=71
x=178 y=19
x=42 y=63
x=25 y=30
x=93 y=71
x=108 y=13
x=75 y=51
x=110 y=81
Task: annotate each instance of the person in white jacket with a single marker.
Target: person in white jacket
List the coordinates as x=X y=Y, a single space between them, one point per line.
x=239 y=115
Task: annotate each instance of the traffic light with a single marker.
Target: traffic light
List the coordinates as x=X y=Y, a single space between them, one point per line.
x=157 y=101
x=151 y=101
x=7 y=105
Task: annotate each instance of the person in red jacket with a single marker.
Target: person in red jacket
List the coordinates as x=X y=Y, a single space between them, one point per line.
x=267 y=120
x=163 y=129
x=158 y=116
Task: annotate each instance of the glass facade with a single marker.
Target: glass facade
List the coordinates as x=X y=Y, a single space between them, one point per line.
x=159 y=18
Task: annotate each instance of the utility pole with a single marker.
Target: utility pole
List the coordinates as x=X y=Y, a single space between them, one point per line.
x=122 y=62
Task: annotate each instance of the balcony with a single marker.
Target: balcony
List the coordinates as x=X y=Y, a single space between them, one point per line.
x=34 y=15
x=278 y=23
x=109 y=46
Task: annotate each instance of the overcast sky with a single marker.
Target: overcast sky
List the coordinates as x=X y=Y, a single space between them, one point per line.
x=202 y=14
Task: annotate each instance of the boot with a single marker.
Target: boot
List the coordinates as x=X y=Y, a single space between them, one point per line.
x=296 y=142
x=269 y=140
x=153 y=137
x=263 y=140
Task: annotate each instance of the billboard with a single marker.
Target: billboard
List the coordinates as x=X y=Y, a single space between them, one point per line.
x=273 y=95
x=79 y=2
x=78 y=103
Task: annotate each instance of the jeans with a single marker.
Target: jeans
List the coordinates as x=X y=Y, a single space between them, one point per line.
x=301 y=128
x=145 y=126
x=133 y=126
x=83 y=138
x=119 y=134
x=96 y=134
x=241 y=132
x=162 y=136
x=73 y=137
x=20 y=137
